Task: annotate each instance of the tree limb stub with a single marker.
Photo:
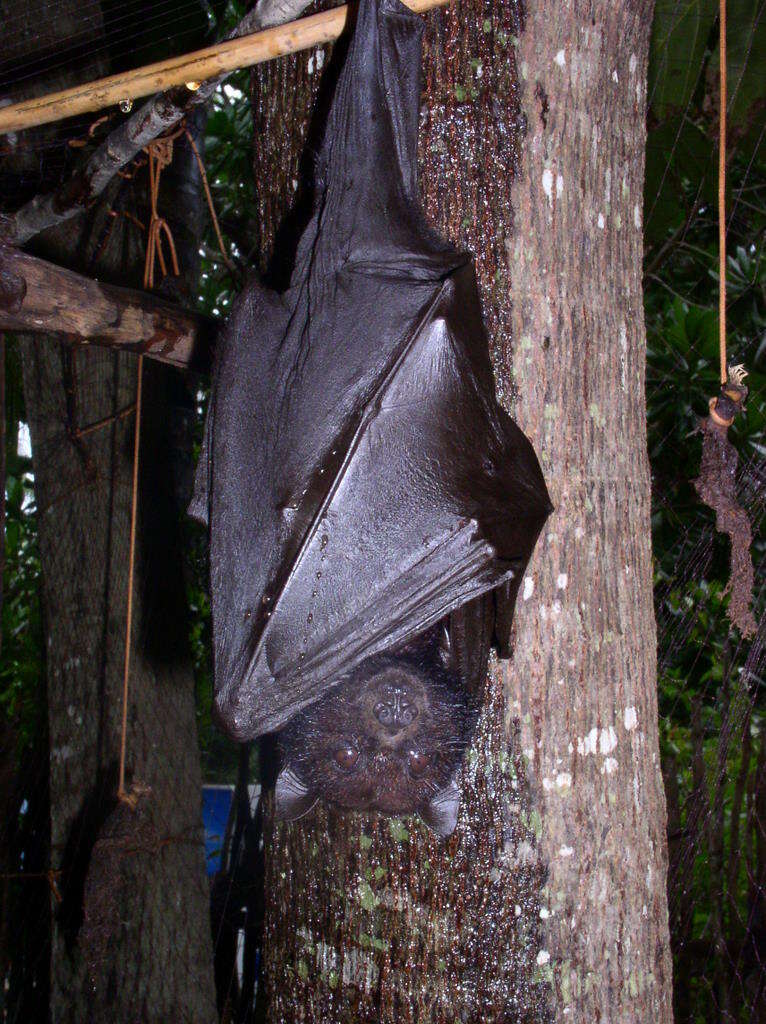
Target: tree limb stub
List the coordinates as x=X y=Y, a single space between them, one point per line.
x=122 y=145
x=38 y=296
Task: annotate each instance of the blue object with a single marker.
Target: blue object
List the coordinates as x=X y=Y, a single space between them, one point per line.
x=216 y=805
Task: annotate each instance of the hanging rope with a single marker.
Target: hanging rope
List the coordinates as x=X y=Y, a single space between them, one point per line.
x=129 y=829
x=123 y=795
x=160 y=153
x=724 y=407
x=722 y=193
x=232 y=269
x=717 y=482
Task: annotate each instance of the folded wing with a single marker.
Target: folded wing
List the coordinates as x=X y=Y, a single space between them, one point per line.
x=358 y=475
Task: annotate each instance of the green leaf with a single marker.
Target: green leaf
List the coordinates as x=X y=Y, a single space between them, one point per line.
x=745 y=61
x=680 y=33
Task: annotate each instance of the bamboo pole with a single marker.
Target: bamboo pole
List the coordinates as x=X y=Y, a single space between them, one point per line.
x=189 y=69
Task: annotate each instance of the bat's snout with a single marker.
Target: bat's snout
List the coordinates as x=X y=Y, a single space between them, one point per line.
x=395 y=710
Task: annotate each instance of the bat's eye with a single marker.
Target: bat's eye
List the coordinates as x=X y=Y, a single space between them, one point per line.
x=417 y=762
x=346 y=757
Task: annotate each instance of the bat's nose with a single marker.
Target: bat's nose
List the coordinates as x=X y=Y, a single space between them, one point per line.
x=395 y=711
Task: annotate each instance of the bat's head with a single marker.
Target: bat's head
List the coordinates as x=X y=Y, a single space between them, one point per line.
x=389 y=739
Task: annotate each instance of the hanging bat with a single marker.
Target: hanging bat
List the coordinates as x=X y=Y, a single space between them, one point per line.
x=364 y=490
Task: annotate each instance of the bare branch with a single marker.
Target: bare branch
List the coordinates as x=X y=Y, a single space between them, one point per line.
x=122 y=145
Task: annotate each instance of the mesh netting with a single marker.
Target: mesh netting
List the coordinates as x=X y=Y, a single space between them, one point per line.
x=711 y=681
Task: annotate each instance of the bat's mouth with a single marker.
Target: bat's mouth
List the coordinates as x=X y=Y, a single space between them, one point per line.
x=382 y=802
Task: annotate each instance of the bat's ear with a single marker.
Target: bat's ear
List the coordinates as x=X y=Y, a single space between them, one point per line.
x=440 y=814
x=292 y=796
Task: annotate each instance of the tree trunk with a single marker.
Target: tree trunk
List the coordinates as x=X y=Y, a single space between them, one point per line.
x=549 y=900
x=156 y=963
x=584 y=677
x=153 y=958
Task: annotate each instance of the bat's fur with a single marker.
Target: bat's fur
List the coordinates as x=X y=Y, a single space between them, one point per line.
x=399 y=767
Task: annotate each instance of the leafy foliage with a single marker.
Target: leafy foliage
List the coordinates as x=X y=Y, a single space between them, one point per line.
x=711 y=690
x=22 y=689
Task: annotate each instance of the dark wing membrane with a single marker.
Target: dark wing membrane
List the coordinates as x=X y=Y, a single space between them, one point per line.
x=469 y=630
x=412 y=524
x=359 y=479
x=367 y=209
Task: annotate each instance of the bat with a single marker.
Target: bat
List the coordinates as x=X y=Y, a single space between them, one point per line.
x=391 y=738
x=363 y=489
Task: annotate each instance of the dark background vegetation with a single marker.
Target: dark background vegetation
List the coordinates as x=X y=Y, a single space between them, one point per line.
x=711 y=682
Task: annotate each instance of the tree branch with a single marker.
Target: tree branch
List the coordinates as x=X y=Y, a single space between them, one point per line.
x=40 y=297
x=122 y=145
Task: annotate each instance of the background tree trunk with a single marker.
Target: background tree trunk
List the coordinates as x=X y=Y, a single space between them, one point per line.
x=371 y=920
x=154 y=960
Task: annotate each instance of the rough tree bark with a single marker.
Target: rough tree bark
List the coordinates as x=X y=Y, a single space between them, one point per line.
x=583 y=681
x=549 y=901
x=155 y=965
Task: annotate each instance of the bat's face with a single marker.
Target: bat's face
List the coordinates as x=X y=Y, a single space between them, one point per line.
x=390 y=739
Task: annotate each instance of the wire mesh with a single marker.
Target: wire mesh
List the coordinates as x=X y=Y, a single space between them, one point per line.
x=711 y=681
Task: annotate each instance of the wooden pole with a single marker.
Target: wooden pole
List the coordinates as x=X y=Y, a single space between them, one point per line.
x=189 y=69
x=37 y=296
